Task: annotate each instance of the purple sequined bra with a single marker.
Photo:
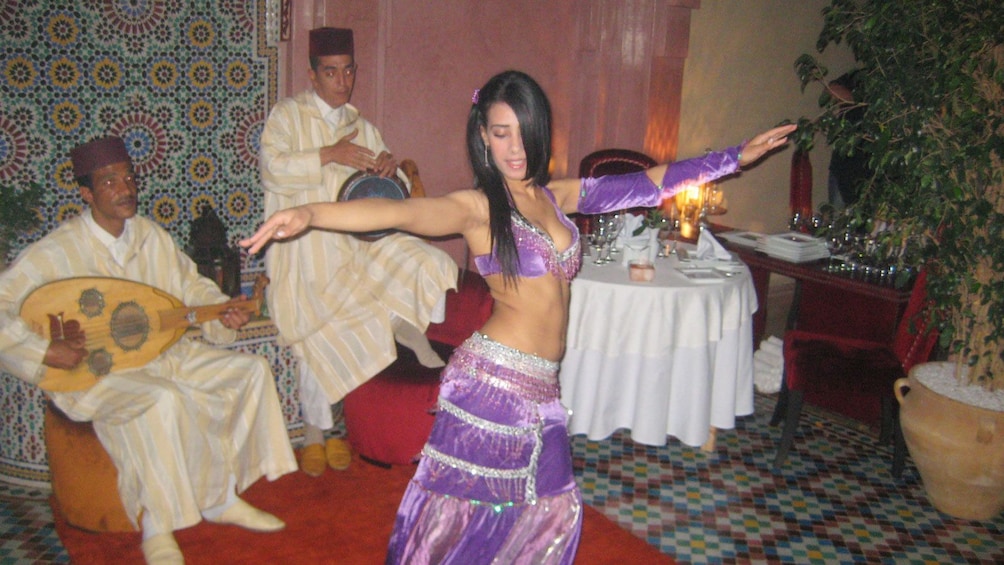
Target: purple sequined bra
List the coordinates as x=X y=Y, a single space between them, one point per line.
x=537 y=253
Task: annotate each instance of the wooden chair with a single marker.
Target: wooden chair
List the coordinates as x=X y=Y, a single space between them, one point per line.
x=410 y=170
x=864 y=369
x=610 y=162
x=614 y=162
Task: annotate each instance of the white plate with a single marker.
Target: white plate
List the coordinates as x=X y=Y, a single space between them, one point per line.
x=744 y=238
x=702 y=275
x=731 y=268
x=707 y=263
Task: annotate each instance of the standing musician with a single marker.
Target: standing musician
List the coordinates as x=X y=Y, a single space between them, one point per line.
x=193 y=427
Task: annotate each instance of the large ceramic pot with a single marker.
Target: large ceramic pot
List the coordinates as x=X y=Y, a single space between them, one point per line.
x=958 y=448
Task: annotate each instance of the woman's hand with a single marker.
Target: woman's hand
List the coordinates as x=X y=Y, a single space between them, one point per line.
x=282 y=225
x=767 y=141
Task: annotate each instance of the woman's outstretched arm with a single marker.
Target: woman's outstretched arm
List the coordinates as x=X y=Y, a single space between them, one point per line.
x=648 y=188
x=454 y=213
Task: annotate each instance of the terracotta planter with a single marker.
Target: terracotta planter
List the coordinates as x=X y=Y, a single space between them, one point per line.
x=958 y=448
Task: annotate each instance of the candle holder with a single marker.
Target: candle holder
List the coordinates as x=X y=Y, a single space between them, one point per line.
x=695 y=204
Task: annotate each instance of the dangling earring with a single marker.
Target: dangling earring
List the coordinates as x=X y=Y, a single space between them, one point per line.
x=486 y=156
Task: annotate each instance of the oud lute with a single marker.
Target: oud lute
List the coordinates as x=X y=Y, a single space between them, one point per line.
x=126 y=323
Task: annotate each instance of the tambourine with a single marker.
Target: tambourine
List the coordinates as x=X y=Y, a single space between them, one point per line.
x=368 y=185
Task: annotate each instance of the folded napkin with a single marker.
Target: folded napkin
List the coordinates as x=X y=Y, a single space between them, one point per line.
x=768 y=365
x=631 y=223
x=708 y=248
x=641 y=246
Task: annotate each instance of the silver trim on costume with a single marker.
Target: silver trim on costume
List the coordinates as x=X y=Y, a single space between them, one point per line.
x=480 y=470
x=471 y=419
x=528 y=363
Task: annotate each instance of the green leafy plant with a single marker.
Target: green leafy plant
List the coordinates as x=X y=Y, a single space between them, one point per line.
x=654 y=219
x=18 y=213
x=931 y=86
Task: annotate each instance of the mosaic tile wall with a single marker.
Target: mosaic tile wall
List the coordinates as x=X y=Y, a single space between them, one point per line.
x=186 y=83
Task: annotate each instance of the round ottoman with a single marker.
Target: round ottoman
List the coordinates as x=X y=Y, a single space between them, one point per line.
x=389 y=418
x=84 y=479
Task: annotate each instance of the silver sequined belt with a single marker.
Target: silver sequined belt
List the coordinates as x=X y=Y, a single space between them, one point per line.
x=530 y=376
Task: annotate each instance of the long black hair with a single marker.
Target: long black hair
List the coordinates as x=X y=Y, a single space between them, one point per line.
x=533 y=112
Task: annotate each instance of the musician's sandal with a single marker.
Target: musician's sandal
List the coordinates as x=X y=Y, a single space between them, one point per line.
x=312 y=459
x=339 y=453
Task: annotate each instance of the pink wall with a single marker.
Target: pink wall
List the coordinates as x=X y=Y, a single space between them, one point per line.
x=611 y=68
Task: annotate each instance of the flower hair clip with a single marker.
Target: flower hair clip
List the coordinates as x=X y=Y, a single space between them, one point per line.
x=474 y=97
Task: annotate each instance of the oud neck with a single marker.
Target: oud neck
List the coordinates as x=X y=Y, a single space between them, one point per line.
x=188 y=316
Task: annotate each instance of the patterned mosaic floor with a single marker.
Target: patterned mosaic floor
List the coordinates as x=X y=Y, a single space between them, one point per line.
x=834 y=502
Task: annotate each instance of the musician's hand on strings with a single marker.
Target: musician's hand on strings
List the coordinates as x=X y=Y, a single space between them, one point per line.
x=65 y=353
x=235 y=318
x=281 y=225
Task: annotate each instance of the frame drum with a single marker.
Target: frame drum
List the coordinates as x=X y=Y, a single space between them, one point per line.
x=368 y=185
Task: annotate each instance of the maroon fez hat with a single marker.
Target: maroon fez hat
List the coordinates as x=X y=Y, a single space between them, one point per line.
x=331 y=41
x=93 y=155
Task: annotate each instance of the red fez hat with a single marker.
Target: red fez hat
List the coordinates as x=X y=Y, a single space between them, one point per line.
x=331 y=41
x=93 y=155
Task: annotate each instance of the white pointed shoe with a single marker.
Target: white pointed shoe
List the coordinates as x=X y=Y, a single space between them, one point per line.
x=248 y=517
x=162 y=549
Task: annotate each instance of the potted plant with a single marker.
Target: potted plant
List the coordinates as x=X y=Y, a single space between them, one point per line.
x=18 y=214
x=931 y=94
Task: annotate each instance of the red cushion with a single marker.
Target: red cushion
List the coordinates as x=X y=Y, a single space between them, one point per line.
x=389 y=417
x=467 y=309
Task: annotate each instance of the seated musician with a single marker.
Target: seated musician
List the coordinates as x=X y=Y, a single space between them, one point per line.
x=340 y=303
x=194 y=426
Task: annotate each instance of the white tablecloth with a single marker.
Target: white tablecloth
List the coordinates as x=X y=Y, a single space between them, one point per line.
x=667 y=357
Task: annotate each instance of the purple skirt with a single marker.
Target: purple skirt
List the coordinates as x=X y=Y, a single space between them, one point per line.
x=495 y=482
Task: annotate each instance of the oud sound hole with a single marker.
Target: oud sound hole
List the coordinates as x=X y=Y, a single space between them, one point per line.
x=92 y=302
x=129 y=326
x=99 y=362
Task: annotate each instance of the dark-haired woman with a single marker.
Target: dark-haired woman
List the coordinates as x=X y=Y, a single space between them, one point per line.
x=495 y=482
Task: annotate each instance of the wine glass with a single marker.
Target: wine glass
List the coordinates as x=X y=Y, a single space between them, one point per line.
x=615 y=223
x=667 y=230
x=599 y=239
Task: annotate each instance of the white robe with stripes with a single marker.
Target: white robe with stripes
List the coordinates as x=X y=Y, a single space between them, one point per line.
x=332 y=296
x=178 y=428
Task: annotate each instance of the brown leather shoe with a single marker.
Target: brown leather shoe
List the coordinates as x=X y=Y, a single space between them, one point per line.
x=312 y=459
x=339 y=453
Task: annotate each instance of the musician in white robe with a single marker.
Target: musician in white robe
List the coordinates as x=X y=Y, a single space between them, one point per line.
x=190 y=429
x=338 y=301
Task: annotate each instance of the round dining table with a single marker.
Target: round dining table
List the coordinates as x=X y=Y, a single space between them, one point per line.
x=669 y=357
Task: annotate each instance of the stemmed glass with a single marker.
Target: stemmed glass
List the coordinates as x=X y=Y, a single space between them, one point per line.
x=599 y=239
x=615 y=222
x=667 y=233
x=604 y=236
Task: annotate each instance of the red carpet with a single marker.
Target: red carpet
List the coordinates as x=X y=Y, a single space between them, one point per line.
x=340 y=517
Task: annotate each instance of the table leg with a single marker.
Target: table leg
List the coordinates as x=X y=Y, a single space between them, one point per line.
x=709 y=445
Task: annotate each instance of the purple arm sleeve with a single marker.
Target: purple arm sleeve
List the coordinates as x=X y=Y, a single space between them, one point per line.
x=700 y=170
x=633 y=190
x=617 y=192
